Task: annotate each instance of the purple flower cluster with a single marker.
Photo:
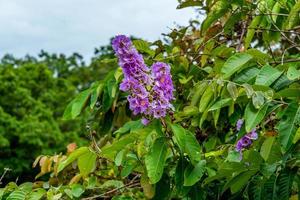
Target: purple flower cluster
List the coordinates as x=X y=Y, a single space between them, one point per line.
x=246 y=140
x=150 y=90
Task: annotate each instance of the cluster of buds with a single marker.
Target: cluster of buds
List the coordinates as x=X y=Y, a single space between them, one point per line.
x=150 y=89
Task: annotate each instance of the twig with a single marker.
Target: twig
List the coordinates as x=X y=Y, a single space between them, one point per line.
x=207 y=41
x=240 y=45
x=4 y=173
x=169 y=136
x=275 y=14
x=134 y=178
x=274 y=30
x=286 y=61
x=112 y=191
x=282 y=57
x=272 y=54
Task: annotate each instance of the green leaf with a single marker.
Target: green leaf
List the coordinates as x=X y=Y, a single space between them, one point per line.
x=72 y=157
x=269 y=188
x=17 y=195
x=233 y=156
x=77 y=190
x=206 y=98
x=239 y=181
x=198 y=90
x=234 y=64
x=251 y=30
x=281 y=82
x=193 y=174
x=36 y=194
x=87 y=163
x=289 y=124
x=266 y=148
x=187 y=143
x=155 y=160
x=119 y=157
x=164 y=188
x=190 y=111
x=233 y=91
x=148 y=189
x=179 y=177
x=189 y=3
x=128 y=166
x=111 y=184
x=288 y=92
x=220 y=104
x=254 y=116
x=246 y=75
x=109 y=151
x=258 y=56
x=129 y=126
x=96 y=92
x=143 y=46
x=293 y=18
x=249 y=90
x=76 y=106
x=267 y=76
x=293 y=73
x=297 y=136
x=207 y=49
x=258 y=99
x=276 y=11
x=217 y=11
x=109 y=91
x=284 y=183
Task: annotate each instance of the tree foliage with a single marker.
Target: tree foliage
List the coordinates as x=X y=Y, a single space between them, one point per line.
x=240 y=62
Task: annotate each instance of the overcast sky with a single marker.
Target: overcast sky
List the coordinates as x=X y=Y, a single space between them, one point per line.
x=66 y=26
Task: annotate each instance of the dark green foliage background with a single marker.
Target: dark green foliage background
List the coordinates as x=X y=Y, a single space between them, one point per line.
x=33 y=95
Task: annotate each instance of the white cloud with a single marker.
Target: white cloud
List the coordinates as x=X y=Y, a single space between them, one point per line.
x=66 y=26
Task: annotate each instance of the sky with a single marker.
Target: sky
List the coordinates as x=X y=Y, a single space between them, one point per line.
x=67 y=26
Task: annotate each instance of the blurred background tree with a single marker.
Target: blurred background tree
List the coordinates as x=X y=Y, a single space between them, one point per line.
x=33 y=95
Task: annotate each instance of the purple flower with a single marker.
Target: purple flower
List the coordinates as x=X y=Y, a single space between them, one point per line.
x=150 y=91
x=244 y=142
x=145 y=121
x=121 y=44
x=239 y=124
x=252 y=135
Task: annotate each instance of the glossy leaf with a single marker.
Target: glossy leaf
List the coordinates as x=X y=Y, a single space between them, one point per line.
x=254 y=116
x=293 y=17
x=220 y=104
x=187 y=143
x=267 y=75
x=155 y=160
x=266 y=147
x=234 y=64
x=233 y=91
x=293 y=73
x=289 y=124
x=206 y=98
x=76 y=106
x=251 y=31
x=72 y=157
x=258 y=99
x=87 y=163
x=193 y=174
